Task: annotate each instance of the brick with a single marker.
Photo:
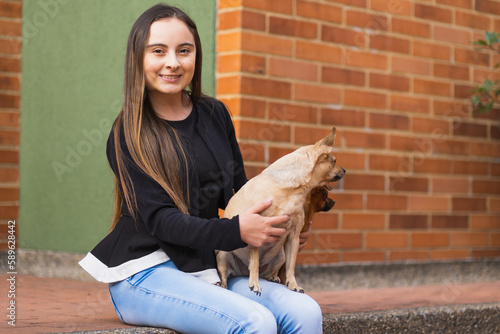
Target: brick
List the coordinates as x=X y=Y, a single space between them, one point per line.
x=277 y=152
x=266 y=87
x=408 y=65
x=451 y=71
x=383 y=162
x=10 y=119
x=363 y=59
x=363 y=221
x=386 y=240
x=9 y=156
x=349 y=160
x=224 y=4
x=364 y=182
x=246 y=107
x=402 y=7
x=9 y=211
x=402 y=143
x=10 y=46
x=390 y=82
x=11 y=9
x=430 y=239
x=409 y=255
x=343 y=117
x=263 y=131
x=12 y=65
x=478 y=254
x=452 y=35
x=449 y=221
x=469 y=167
x=9 y=194
x=449 y=254
x=342 y=76
x=10 y=28
x=400 y=183
x=317 y=93
x=318 y=51
x=450 y=185
x=9 y=138
x=363 y=256
x=309 y=135
x=386 y=202
x=469 y=239
x=495 y=240
x=494 y=204
x=470 y=20
x=319 y=11
x=242 y=19
x=228 y=85
x=488 y=6
x=343 y=36
x=463 y=91
x=430 y=165
x=430 y=87
x=429 y=203
x=409 y=27
x=366 y=21
x=408 y=222
x=450 y=109
x=253 y=152
x=325 y=220
x=487 y=149
x=365 y=99
x=467 y=4
x=275 y=45
x=471 y=57
x=340 y=240
x=455 y=147
x=351 y=201
x=464 y=204
x=485 y=222
x=291 y=112
x=388 y=43
x=364 y=139
x=468 y=129
x=495 y=169
x=386 y=121
x=290 y=27
x=241 y=62
x=433 y=13
x=431 y=50
x=284 y=6
x=430 y=125
x=228 y=42
x=489 y=187
x=408 y=103
x=293 y=69
x=9 y=101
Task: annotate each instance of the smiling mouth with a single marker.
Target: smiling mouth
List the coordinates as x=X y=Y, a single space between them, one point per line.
x=170 y=77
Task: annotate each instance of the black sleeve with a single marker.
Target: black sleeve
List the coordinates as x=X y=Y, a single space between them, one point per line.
x=165 y=222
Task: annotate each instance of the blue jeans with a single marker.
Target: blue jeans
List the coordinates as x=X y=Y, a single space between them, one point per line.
x=163 y=296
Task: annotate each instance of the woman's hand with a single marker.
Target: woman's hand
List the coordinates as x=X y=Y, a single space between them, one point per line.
x=257 y=230
x=304 y=236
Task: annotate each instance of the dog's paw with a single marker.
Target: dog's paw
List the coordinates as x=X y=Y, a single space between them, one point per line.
x=294 y=287
x=275 y=279
x=256 y=288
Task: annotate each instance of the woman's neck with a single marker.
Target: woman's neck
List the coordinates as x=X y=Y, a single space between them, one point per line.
x=172 y=108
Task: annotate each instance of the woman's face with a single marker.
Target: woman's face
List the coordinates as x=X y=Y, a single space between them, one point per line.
x=169 y=58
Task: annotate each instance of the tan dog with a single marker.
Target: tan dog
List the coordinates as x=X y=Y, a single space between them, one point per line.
x=288 y=181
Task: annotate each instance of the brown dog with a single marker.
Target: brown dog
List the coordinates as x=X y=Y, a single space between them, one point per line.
x=288 y=181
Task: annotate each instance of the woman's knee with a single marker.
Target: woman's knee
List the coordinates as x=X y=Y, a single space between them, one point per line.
x=302 y=315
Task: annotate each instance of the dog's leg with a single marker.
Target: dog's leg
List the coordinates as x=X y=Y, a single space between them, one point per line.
x=253 y=267
x=291 y=251
x=222 y=267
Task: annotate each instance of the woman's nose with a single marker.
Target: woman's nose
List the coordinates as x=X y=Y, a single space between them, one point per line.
x=171 y=61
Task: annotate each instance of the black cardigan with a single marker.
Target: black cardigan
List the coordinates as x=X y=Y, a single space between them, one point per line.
x=162 y=232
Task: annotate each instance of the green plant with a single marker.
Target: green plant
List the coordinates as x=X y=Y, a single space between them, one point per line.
x=486 y=94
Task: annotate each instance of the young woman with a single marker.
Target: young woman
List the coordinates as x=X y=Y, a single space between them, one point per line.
x=176 y=162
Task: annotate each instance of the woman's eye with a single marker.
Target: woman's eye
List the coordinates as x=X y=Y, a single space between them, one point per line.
x=184 y=51
x=157 y=51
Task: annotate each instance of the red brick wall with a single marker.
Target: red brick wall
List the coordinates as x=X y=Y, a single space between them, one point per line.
x=10 y=91
x=393 y=76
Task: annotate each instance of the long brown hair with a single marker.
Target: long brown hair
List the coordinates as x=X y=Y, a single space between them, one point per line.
x=162 y=160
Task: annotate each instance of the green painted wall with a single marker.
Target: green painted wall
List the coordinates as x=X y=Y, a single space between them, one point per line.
x=72 y=78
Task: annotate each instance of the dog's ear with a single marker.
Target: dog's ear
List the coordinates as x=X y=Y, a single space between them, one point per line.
x=328 y=140
x=293 y=170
